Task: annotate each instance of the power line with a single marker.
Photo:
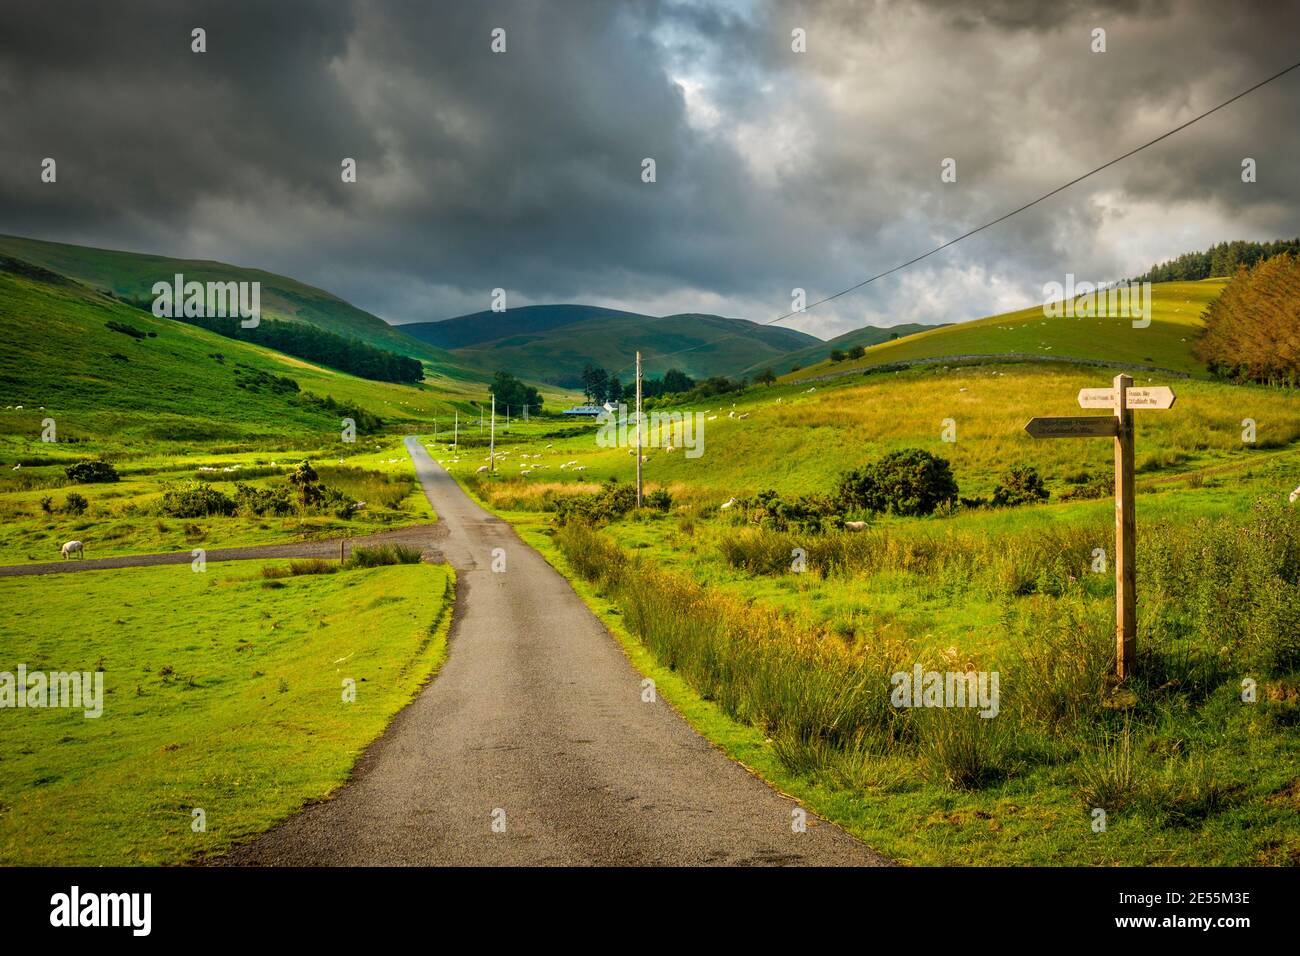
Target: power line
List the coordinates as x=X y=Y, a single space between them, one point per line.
x=993 y=222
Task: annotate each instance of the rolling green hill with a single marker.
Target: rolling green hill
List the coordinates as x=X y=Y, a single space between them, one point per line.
x=1165 y=344
x=552 y=343
x=866 y=336
x=130 y=276
x=100 y=367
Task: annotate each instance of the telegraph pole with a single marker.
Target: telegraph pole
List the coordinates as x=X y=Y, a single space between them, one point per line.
x=638 y=429
x=455 y=435
x=492 y=441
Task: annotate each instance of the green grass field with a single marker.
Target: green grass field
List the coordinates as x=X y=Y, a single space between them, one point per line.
x=122 y=517
x=1166 y=343
x=223 y=692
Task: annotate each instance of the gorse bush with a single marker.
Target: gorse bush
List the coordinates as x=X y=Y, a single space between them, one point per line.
x=907 y=482
x=612 y=501
x=91 y=472
x=809 y=513
x=196 y=500
x=1020 y=485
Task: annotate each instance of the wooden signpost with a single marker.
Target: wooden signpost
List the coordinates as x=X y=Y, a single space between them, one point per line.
x=1123 y=398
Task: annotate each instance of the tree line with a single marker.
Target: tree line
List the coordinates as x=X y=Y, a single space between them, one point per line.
x=1223 y=259
x=305 y=341
x=1252 y=330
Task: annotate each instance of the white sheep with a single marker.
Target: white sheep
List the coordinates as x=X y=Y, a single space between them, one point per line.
x=1295 y=496
x=727 y=504
x=854 y=525
x=71 y=548
x=480 y=469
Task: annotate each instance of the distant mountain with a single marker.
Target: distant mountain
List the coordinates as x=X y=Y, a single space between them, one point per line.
x=866 y=336
x=552 y=343
x=130 y=276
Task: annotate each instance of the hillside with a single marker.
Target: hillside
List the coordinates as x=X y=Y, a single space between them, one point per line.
x=866 y=336
x=130 y=276
x=1165 y=344
x=552 y=343
x=159 y=378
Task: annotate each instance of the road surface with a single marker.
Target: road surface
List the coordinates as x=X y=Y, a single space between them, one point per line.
x=536 y=723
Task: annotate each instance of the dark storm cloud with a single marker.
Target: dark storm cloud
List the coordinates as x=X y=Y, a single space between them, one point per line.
x=522 y=170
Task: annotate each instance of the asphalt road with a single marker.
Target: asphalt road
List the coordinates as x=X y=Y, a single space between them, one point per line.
x=536 y=724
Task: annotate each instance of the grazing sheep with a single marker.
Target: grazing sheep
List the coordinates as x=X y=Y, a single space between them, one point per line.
x=746 y=415
x=727 y=504
x=71 y=548
x=1295 y=496
x=713 y=418
x=480 y=469
x=854 y=525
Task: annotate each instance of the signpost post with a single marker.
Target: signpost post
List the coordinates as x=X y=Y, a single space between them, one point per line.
x=1123 y=398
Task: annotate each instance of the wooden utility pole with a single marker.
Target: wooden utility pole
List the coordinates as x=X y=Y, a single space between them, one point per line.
x=638 y=429
x=492 y=441
x=1122 y=398
x=455 y=434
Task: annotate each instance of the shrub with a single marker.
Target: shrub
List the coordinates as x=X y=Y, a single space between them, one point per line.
x=659 y=499
x=1101 y=486
x=91 y=472
x=908 y=482
x=1019 y=486
x=612 y=501
x=74 y=504
x=196 y=500
x=837 y=355
x=263 y=501
x=807 y=513
x=857 y=352
x=47 y=504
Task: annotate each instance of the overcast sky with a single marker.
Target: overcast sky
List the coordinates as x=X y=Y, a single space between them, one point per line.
x=775 y=169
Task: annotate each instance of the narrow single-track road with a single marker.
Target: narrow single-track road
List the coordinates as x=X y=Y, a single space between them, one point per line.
x=534 y=746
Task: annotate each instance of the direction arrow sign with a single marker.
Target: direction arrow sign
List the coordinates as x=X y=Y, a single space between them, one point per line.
x=1160 y=396
x=1086 y=426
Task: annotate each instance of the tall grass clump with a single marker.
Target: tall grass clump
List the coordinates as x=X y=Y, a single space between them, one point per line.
x=383 y=554
x=814 y=696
